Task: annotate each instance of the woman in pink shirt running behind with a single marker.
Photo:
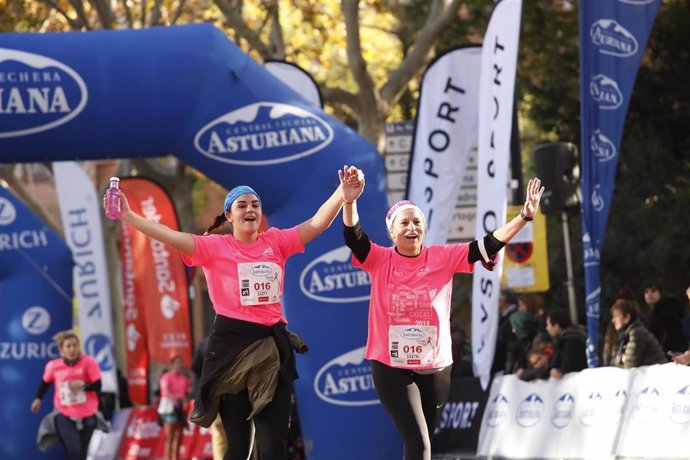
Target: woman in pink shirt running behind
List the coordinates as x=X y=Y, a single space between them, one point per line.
x=409 y=340
x=249 y=365
x=77 y=379
x=175 y=387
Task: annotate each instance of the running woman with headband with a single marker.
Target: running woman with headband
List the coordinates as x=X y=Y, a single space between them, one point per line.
x=409 y=339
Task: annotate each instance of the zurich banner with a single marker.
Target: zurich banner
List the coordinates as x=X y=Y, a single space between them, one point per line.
x=35 y=304
x=190 y=92
x=613 y=36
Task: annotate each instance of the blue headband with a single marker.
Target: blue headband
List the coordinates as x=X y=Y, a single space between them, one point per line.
x=236 y=193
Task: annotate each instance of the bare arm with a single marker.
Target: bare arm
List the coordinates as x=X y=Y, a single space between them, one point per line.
x=180 y=241
x=351 y=179
x=350 y=215
x=510 y=229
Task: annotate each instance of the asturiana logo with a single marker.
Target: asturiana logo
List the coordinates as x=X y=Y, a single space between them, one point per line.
x=261 y=271
x=680 y=407
x=637 y=2
x=37 y=93
x=605 y=92
x=346 y=380
x=563 y=411
x=646 y=406
x=497 y=412
x=264 y=133
x=602 y=147
x=412 y=333
x=332 y=278
x=591 y=409
x=612 y=38
x=529 y=411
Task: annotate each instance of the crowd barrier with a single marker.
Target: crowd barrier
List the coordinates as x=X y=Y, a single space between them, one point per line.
x=597 y=413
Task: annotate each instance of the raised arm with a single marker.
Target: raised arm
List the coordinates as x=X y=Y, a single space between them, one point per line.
x=325 y=215
x=353 y=186
x=180 y=241
x=511 y=228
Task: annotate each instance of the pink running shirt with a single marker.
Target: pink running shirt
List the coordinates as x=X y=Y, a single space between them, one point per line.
x=409 y=308
x=174 y=386
x=78 y=404
x=245 y=280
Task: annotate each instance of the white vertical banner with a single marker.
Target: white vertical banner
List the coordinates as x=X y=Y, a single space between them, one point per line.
x=80 y=211
x=298 y=79
x=496 y=94
x=445 y=133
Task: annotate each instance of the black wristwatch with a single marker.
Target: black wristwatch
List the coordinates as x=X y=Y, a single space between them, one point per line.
x=524 y=217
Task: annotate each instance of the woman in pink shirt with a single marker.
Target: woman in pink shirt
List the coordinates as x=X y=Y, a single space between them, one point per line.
x=249 y=363
x=409 y=341
x=175 y=387
x=77 y=379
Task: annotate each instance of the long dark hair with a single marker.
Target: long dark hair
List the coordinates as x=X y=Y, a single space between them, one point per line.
x=217 y=223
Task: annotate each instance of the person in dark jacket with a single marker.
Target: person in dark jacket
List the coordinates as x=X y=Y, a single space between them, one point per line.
x=666 y=318
x=635 y=345
x=569 y=342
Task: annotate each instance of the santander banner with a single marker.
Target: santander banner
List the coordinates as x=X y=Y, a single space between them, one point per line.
x=157 y=277
x=205 y=101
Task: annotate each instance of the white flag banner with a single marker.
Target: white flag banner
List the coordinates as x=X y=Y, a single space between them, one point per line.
x=80 y=211
x=496 y=93
x=298 y=79
x=445 y=133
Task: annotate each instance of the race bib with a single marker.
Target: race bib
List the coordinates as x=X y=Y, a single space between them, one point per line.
x=259 y=282
x=69 y=397
x=412 y=346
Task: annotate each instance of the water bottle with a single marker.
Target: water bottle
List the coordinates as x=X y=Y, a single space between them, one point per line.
x=113 y=204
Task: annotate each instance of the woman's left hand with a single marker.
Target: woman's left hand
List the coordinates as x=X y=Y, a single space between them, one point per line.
x=534 y=193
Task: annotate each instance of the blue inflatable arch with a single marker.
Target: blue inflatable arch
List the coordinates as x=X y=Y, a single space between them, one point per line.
x=190 y=92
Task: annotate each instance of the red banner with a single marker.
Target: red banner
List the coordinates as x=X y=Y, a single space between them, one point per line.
x=159 y=280
x=145 y=439
x=135 y=325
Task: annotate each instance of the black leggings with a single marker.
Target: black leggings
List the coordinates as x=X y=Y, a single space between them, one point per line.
x=270 y=425
x=73 y=440
x=414 y=402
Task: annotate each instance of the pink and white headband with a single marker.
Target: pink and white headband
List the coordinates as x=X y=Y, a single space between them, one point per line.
x=399 y=207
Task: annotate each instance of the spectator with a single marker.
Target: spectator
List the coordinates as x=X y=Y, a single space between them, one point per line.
x=635 y=345
x=569 y=342
x=505 y=338
x=666 y=318
x=524 y=327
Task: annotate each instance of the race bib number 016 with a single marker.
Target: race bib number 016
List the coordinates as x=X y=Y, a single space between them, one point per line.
x=412 y=346
x=259 y=283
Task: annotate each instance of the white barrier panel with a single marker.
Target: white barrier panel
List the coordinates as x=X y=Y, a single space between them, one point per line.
x=593 y=414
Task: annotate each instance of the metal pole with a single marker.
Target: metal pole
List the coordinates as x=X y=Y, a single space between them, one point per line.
x=569 y=267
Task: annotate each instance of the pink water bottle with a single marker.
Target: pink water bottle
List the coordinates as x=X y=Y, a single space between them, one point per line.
x=113 y=204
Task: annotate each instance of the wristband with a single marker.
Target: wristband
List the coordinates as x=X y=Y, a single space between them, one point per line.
x=524 y=217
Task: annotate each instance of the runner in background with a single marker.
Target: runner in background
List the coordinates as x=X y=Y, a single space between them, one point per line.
x=77 y=379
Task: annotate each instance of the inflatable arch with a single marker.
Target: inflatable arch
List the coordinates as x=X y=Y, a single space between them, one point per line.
x=190 y=92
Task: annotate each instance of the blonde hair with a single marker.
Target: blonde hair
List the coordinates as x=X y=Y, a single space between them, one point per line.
x=61 y=336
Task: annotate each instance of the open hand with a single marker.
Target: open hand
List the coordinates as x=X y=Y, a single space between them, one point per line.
x=352 y=181
x=534 y=193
